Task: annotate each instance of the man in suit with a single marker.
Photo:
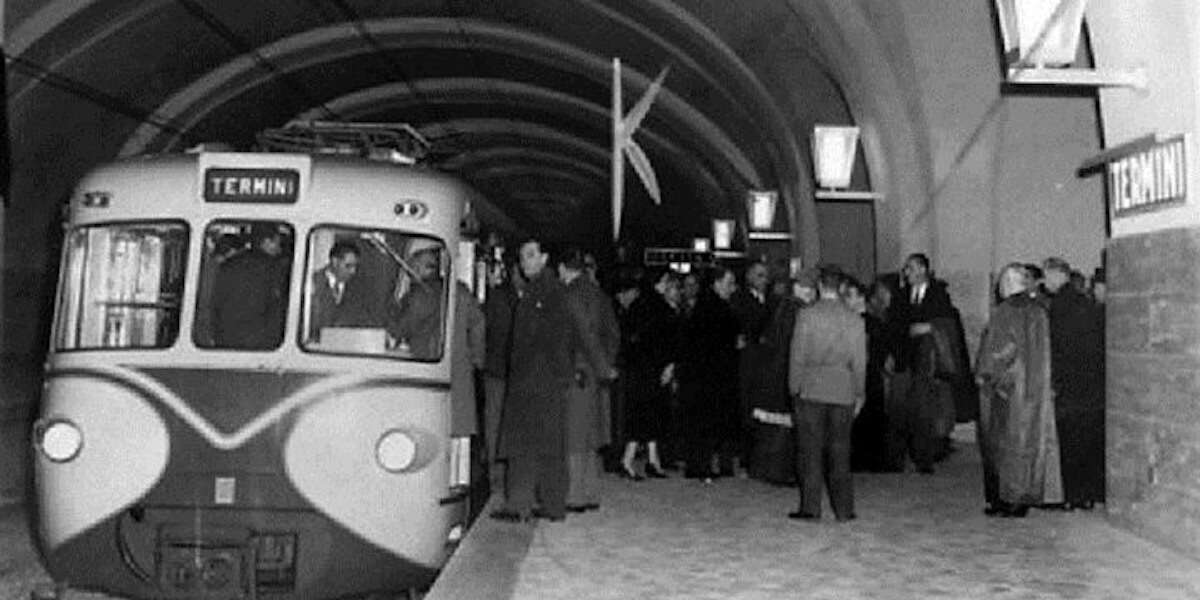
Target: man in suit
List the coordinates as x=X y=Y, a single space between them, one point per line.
x=826 y=378
x=932 y=368
x=336 y=300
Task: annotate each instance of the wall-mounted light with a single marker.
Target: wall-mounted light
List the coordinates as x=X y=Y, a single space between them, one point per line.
x=833 y=149
x=761 y=206
x=1041 y=41
x=701 y=245
x=722 y=238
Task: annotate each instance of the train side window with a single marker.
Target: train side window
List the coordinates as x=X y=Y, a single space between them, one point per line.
x=375 y=292
x=122 y=284
x=242 y=295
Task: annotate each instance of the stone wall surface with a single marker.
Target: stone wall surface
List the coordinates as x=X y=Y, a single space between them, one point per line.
x=1153 y=347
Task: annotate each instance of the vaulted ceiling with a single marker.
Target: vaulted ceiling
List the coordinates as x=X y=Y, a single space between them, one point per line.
x=513 y=94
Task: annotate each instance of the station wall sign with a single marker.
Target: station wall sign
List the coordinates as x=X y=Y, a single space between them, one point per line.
x=1148 y=176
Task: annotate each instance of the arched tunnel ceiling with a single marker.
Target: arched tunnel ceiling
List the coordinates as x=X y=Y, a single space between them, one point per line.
x=513 y=94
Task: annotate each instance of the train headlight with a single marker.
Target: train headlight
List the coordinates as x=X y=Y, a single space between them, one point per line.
x=60 y=440
x=395 y=451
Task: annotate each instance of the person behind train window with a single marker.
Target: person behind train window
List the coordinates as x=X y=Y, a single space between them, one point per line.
x=594 y=355
x=708 y=378
x=826 y=377
x=1077 y=371
x=219 y=250
x=336 y=297
x=541 y=372
x=250 y=293
x=417 y=312
x=1018 y=439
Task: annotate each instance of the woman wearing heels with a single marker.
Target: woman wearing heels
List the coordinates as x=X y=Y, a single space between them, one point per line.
x=653 y=373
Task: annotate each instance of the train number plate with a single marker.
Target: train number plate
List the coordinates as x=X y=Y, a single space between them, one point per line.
x=224 y=490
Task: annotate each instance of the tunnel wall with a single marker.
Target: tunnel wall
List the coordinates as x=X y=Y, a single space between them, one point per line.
x=1002 y=183
x=1154 y=282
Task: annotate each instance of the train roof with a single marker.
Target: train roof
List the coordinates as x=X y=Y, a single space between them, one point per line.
x=153 y=183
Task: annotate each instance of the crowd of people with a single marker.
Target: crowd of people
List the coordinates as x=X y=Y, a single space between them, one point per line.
x=796 y=382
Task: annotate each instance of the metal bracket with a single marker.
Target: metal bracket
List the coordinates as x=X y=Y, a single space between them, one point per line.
x=823 y=194
x=1135 y=78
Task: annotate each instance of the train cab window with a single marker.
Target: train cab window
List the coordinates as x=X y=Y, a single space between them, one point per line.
x=121 y=286
x=242 y=297
x=375 y=292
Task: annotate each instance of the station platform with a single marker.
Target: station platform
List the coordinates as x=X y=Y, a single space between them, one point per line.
x=916 y=537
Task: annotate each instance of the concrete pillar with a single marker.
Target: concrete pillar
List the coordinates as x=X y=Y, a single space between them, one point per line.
x=1153 y=385
x=1153 y=310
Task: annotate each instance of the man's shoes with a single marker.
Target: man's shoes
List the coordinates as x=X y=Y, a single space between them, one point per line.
x=583 y=507
x=800 y=515
x=508 y=516
x=925 y=470
x=539 y=513
x=845 y=518
x=591 y=506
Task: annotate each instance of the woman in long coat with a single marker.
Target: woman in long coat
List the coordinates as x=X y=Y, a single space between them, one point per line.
x=653 y=353
x=709 y=376
x=1018 y=439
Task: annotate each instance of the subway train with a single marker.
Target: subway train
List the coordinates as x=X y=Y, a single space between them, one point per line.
x=231 y=408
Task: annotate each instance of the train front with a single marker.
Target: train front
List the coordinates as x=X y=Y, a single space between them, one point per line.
x=247 y=394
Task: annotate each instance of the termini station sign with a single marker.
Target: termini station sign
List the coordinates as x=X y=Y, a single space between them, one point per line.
x=1147 y=175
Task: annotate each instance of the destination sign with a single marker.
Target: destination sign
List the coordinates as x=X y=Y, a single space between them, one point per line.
x=1149 y=177
x=269 y=186
x=667 y=256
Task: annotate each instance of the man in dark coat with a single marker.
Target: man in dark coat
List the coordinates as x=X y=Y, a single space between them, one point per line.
x=1077 y=374
x=599 y=338
x=753 y=307
x=541 y=371
x=250 y=294
x=498 y=316
x=932 y=371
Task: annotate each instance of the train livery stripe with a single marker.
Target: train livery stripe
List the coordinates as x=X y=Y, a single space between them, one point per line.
x=230 y=441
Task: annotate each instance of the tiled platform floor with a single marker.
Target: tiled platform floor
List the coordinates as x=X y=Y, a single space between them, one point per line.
x=916 y=537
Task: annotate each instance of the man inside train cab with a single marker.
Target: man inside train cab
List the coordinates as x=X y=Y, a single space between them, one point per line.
x=250 y=294
x=416 y=320
x=335 y=299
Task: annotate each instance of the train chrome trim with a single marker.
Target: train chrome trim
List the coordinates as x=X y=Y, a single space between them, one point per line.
x=266 y=419
x=127 y=451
